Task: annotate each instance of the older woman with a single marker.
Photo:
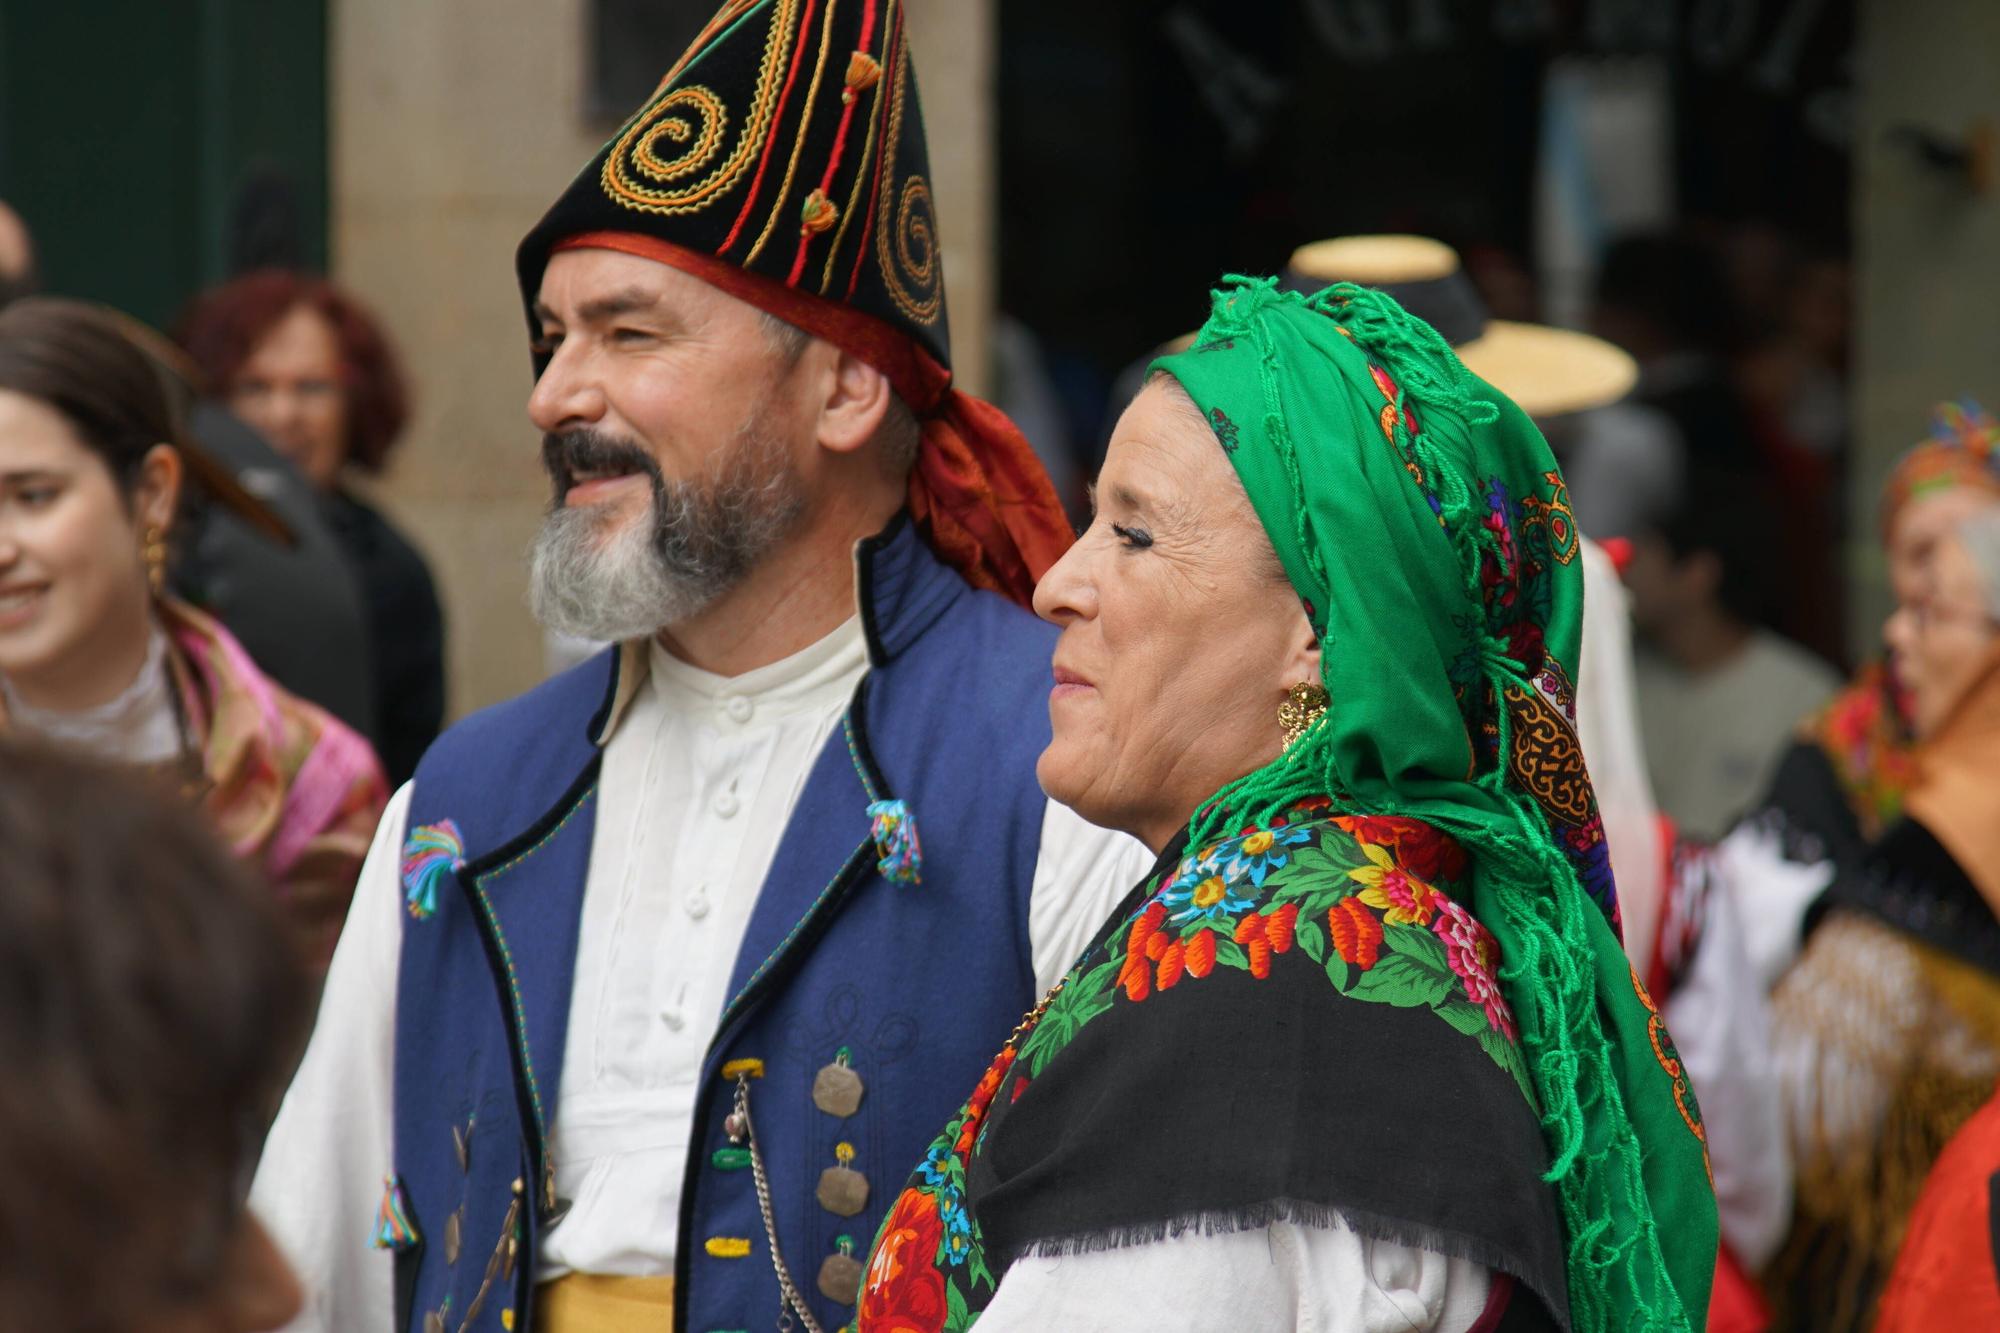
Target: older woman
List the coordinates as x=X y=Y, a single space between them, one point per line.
x=1363 y=1052
x=306 y=365
x=1843 y=784
x=96 y=657
x=1887 y=1030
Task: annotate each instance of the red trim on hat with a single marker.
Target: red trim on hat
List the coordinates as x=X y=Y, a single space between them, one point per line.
x=921 y=382
x=777 y=123
x=892 y=70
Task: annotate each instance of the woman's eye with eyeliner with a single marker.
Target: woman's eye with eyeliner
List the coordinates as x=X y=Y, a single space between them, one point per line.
x=1137 y=538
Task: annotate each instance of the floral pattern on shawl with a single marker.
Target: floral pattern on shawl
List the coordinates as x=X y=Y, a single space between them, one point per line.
x=293 y=791
x=1865 y=734
x=1361 y=899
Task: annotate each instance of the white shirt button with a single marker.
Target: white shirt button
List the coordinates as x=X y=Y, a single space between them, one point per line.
x=696 y=905
x=674 y=1018
x=725 y=804
x=737 y=707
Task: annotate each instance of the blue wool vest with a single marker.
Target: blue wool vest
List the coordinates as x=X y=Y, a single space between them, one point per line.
x=917 y=983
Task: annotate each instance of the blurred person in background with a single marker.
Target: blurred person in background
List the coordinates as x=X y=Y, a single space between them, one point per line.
x=151 y=1004
x=1842 y=782
x=311 y=370
x=1887 y=1027
x=1793 y=305
x=254 y=551
x=97 y=657
x=1720 y=694
x=1947 y=1273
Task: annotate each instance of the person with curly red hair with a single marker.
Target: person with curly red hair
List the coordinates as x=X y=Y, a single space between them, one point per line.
x=306 y=365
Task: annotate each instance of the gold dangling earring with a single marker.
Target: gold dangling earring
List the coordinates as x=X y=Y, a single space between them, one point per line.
x=154 y=552
x=1305 y=705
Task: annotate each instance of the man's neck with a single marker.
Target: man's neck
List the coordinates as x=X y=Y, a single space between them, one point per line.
x=1704 y=640
x=799 y=594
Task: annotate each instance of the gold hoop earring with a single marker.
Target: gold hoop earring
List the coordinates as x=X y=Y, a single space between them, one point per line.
x=1305 y=705
x=154 y=552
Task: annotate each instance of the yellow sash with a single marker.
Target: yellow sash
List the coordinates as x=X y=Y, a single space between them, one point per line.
x=597 y=1303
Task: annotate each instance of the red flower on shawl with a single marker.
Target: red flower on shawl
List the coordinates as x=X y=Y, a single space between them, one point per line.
x=1426 y=852
x=1475 y=956
x=982 y=1099
x=905 y=1291
x=1356 y=932
x=1143 y=927
x=1200 y=953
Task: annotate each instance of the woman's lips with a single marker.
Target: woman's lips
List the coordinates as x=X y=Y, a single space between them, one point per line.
x=1068 y=685
x=19 y=605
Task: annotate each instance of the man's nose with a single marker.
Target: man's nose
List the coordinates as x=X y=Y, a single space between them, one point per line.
x=565 y=397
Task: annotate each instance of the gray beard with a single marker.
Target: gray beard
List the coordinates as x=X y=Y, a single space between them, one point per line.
x=702 y=538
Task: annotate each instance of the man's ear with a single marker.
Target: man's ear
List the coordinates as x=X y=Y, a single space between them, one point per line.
x=857 y=399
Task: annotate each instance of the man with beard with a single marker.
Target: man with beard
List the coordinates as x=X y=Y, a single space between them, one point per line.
x=624 y=1027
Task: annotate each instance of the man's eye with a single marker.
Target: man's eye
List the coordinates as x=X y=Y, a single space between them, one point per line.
x=37 y=497
x=631 y=335
x=546 y=344
x=1137 y=538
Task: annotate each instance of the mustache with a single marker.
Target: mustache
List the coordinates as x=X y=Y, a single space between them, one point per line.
x=564 y=456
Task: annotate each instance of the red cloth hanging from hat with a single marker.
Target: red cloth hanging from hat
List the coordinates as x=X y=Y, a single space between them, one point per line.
x=977 y=493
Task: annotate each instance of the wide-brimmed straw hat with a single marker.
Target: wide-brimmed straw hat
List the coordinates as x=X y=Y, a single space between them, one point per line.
x=1547 y=371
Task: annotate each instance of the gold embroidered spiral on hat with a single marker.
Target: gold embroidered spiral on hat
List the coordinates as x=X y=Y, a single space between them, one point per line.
x=906 y=234
x=664 y=160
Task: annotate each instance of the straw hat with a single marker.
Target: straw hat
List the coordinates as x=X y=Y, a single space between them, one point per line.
x=1547 y=371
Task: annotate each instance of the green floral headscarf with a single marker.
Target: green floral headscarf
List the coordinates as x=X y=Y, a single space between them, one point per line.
x=1423 y=522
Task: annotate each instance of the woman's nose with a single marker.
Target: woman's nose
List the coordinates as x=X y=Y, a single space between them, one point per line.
x=1065 y=594
x=1899 y=631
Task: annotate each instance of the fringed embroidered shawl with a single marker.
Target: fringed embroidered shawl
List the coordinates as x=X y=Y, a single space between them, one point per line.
x=1297 y=1023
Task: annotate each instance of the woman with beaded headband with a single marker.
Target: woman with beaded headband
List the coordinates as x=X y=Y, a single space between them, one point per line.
x=96 y=656
x=1363 y=1051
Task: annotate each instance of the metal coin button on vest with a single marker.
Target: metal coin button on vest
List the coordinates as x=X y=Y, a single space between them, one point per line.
x=837 y=1089
x=840 y=1274
x=842 y=1189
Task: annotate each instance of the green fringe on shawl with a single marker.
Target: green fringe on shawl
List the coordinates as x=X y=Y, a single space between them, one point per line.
x=1526 y=889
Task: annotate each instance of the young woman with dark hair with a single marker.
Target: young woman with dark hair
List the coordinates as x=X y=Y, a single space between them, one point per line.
x=151 y=1005
x=96 y=657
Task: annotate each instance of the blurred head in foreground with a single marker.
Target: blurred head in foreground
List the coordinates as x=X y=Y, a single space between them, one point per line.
x=150 y=1007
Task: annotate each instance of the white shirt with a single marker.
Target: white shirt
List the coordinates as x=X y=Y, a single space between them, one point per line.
x=700 y=777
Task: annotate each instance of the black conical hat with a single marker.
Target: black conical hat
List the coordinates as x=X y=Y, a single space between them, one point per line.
x=788 y=142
